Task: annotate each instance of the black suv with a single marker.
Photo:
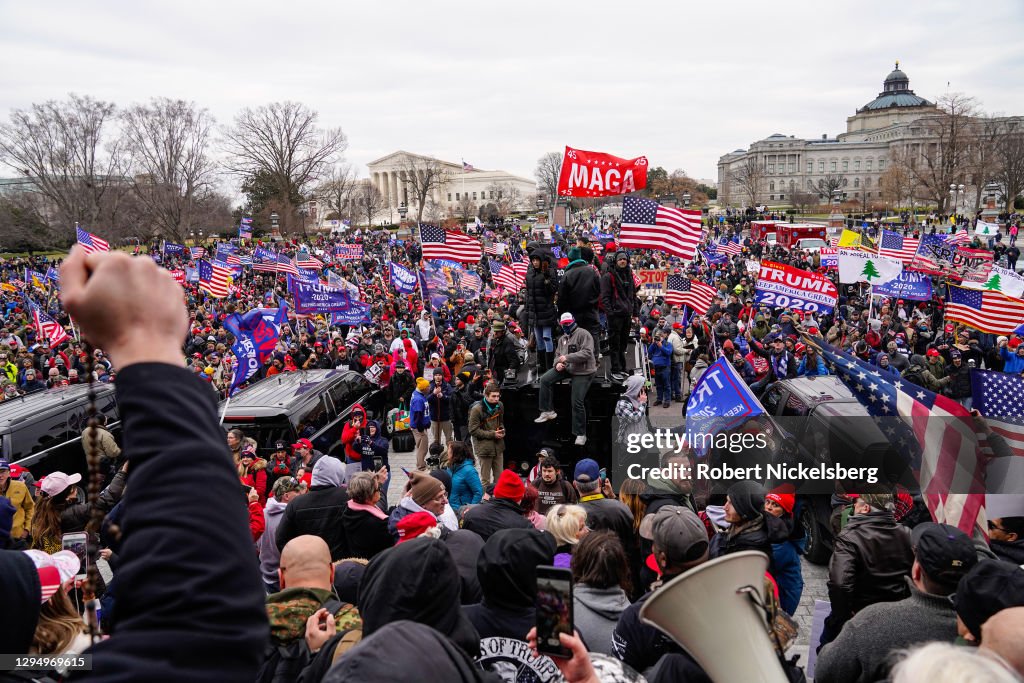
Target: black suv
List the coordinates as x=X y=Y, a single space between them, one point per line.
x=311 y=404
x=43 y=431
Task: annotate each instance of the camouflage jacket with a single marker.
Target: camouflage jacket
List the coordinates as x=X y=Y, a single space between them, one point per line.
x=289 y=609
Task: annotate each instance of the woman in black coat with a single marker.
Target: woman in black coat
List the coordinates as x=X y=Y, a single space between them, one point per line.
x=366 y=525
x=541 y=287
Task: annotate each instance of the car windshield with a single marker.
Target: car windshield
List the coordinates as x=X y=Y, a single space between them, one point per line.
x=812 y=244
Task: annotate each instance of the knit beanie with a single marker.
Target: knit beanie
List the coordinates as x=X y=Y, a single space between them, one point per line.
x=785 y=500
x=747 y=498
x=510 y=486
x=423 y=487
x=574 y=254
x=422 y=384
x=415 y=524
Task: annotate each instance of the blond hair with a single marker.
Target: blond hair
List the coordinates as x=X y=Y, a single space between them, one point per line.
x=563 y=522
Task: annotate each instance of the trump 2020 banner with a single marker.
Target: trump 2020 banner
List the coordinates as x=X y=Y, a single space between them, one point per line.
x=402 y=279
x=907 y=285
x=782 y=286
x=596 y=174
x=314 y=297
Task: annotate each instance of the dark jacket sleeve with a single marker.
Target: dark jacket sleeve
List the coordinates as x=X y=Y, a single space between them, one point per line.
x=190 y=600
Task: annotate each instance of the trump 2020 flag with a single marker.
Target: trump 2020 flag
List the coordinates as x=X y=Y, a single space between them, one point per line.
x=720 y=400
x=403 y=280
x=255 y=339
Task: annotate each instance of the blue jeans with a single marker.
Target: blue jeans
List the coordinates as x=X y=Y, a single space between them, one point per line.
x=543 y=337
x=662 y=377
x=676 y=379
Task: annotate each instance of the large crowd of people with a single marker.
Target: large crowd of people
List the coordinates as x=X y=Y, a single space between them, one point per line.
x=332 y=582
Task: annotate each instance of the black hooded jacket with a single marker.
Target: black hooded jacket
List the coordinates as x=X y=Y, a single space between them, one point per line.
x=507 y=570
x=579 y=293
x=541 y=287
x=618 y=290
x=493 y=515
x=21 y=591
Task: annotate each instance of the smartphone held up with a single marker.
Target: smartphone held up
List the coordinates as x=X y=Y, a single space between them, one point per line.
x=554 y=610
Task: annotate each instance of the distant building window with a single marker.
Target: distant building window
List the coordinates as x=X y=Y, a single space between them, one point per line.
x=821 y=167
x=832 y=166
x=810 y=167
x=457 y=197
x=499 y=194
x=846 y=165
x=792 y=167
x=856 y=165
x=771 y=197
x=869 y=195
x=846 y=181
x=867 y=182
x=474 y=195
x=771 y=186
x=868 y=164
x=771 y=168
x=449 y=196
x=881 y=164
x=492 y=194
x=782 y=196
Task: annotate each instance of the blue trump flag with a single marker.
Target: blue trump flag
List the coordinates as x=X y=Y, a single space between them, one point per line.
x=359 y=314
x=907 y=285
x=256 y=334
x=721 y=400
x=403 y=280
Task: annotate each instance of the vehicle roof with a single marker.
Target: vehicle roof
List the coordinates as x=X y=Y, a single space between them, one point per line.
x=822 y=389
x=272 y=394
x=18 y=410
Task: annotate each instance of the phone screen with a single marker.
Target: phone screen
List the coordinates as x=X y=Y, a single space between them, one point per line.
x=78 y=544
x=554 y=609
x=378 y=462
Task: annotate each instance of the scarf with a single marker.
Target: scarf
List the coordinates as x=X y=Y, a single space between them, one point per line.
x=780 y=364
x=488 y=408
x=366 y=507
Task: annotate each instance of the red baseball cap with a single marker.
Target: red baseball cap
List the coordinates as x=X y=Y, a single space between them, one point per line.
x=303 y=443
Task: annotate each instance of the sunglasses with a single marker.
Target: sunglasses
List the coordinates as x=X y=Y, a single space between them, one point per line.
x=992 y=527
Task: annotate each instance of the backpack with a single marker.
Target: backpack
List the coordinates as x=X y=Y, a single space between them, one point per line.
x=913 y=374
x=284 y=663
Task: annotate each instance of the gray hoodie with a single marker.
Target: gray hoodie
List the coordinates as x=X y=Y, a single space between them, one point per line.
x=596 y=611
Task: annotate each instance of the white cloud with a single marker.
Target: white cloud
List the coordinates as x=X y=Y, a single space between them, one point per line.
x=501 y=84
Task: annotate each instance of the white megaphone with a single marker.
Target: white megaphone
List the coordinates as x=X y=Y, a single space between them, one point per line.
x=710 y=612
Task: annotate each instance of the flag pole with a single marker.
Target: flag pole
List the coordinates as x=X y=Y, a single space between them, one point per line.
x=419 y=273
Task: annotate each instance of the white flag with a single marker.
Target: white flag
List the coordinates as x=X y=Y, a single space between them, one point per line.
x=861 y=266
x=1000 y=280
x=983 y=229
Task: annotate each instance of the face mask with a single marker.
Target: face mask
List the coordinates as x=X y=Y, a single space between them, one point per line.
x=569 y=329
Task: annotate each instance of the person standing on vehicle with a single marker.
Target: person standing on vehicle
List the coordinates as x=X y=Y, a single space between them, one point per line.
x=541 y=288
x=579 y=293
x=618 y=298
x=419 y=421
x=575 y=358
x=487 y=429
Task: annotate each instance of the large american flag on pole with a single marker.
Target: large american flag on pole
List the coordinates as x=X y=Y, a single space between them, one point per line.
x=730 y=247
x=997 y=396
x=984 y=309
x=90 y=242
x=439 y=243
x=648 y=225
x=213 y=278
x=681 y=291
x=960 y=237
x=47 y=328
x=943 y=449
x=895 y=245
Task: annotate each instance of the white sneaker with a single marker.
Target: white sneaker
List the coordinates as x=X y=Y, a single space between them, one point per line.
x=546 y=416
x=581 y=440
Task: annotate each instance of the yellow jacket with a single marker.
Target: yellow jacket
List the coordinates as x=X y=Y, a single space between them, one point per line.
x=24 y=507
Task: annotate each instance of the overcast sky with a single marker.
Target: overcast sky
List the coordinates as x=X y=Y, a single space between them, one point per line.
x=500 y=84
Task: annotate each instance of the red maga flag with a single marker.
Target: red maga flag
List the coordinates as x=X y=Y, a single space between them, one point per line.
x=596 y=174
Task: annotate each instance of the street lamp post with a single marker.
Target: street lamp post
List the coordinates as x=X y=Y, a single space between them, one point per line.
x=956 y=192
x=403 y=210
x=686 y=199
x=275 y=222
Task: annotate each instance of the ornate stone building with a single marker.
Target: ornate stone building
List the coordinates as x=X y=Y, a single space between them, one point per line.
x=390 y=175
x=860 y=155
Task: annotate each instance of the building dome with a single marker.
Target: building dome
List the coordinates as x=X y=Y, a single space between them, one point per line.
x=896 y=92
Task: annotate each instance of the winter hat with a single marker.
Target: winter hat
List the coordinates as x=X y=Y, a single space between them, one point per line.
x=415 y=524
x=422 y=383
x=574 y=254
x=498 y=326
x=423 y=487
x=991 y=586
x=510 y=486
x=784 y=500
x=747 y=498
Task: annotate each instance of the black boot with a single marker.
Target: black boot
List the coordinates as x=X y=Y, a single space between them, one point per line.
x=550 y=359
x=542 y=362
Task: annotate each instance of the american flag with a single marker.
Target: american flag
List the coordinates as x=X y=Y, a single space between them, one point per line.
x=959 y=237
x=213 y=278
x=984 y=309
x=926 y=260
x=493 y=249
x=90 y=242
x=730 y=247
x=646 y=225
x=470 y=281
x=245 y=228
x=943 y=445
x=467 y=167
x=245 y=261
x=286 y=265
x=510 y=277
x=264 y=260
x=681 y=291
x=439 y=243
x=306 y=260
x=198 y=252
x=895 y=245
x=233 y=260
x=47 y=328
x=997 y=397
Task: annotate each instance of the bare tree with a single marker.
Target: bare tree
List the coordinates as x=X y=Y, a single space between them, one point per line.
x=548 y=168
x=67 y=151
x=1010 y=164
x=422 y=177
x=166 y=144
x=943 y=158
x=803 y=200
x=368 y=201
x=22 y=228
x=506 y=197
x=435 y=212
x=750 y=177
x=982 y=154
x=466 y=208
x=282 y=141
x=830 y=184
x=336 y=190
